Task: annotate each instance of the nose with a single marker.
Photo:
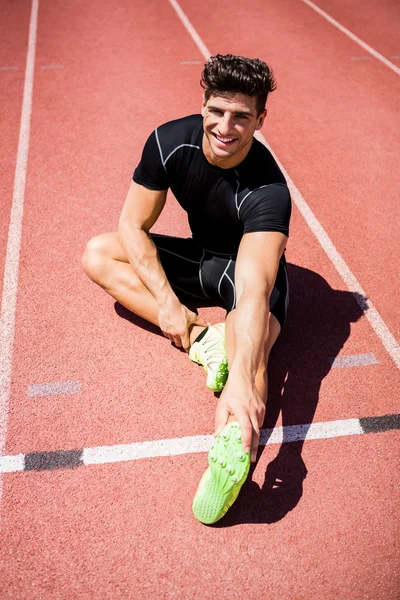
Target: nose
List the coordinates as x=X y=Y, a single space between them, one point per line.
x=225 y=124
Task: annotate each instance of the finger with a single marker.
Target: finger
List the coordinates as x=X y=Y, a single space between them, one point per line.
x=247 y=430
x=198 y=320
x=255 y=421
x=254 y=443
x=202 y=322
x=221 y=418
x=261 y=416
x=185 y=342
x=177 y=341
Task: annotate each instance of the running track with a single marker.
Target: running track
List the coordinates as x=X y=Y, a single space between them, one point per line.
x=79 y=517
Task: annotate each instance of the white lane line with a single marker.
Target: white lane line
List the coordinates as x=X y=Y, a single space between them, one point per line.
x=191 y=62
x=193 y=33
x=54 y=389
x=170 y=447
x=12 y=464
x=354 y=360
x=379 y=326
x=52 y=67
x=101 y=455
x=8 y=68
x=202 y=443
x=10 y=285
x=353 y=37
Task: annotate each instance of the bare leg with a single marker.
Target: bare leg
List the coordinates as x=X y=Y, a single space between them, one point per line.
x=106 y=263
x=261 y=380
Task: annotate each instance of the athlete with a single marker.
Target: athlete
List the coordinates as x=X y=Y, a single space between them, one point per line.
x=238 y=207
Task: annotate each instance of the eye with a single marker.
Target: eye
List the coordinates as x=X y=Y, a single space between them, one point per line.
x=215 y=111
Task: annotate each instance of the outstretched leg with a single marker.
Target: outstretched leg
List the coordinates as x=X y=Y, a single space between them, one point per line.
x=274 y=329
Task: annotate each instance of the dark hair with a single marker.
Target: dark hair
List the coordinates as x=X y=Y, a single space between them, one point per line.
x=231 y=74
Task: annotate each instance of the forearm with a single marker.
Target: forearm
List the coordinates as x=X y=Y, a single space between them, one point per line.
x=250 y=330
x=143 y=256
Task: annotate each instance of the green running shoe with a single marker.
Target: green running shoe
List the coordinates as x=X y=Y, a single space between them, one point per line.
x=228 y=468
x=210 y=352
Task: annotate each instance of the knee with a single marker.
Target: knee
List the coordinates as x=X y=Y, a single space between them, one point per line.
x=94 y=258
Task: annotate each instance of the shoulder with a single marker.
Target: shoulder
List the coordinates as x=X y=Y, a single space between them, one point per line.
x=267 y=208
x=270 y=194
x=184 y=130
x=180 y=133
x=261 y=167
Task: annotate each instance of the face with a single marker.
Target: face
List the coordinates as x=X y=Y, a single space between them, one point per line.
x=229 y=123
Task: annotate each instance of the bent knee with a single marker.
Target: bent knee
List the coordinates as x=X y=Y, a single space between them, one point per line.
x=94 y=257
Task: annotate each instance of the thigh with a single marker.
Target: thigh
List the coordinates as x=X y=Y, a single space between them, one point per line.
x=219 y=280
x=182 y=261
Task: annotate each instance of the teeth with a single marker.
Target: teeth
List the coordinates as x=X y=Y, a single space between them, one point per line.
x=224 y=140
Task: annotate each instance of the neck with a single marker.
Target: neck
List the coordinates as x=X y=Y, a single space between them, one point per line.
x=224 y=163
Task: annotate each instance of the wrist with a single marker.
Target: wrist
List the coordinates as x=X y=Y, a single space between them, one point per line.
x=167 y=299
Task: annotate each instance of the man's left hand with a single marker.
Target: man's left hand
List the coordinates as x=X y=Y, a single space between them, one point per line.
x=241 y=399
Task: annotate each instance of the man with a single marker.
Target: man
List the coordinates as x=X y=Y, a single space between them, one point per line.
x=238 y=207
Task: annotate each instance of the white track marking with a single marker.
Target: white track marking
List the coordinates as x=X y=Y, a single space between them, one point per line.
x=10 y=285
x=193 y=33
x=379 y=326
x=373 y=316
x=353 y=37
x=101 y=455
x=12 y=464
x=190 y=445
x=54 y=388
x=354 y=360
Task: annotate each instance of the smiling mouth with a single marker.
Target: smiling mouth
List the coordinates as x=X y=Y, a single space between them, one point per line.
x=223 y=140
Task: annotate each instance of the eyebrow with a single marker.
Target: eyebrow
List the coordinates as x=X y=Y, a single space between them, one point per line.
x=238 y=112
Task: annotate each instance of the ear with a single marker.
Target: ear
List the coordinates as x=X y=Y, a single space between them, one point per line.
x=203 y=106
x=261 y=119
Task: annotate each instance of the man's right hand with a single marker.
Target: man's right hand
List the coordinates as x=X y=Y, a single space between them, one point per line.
x=175 y=321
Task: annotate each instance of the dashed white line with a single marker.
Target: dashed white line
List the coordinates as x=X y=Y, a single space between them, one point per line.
x=54 y=388
x=354 y=360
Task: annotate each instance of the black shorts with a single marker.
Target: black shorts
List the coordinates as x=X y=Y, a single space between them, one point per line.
x=196 y=273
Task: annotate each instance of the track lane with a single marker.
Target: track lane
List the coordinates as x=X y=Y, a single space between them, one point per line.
x=117 y=529
x=106 y=533
x=341 y=115
x=54 y=238
x=377 y=27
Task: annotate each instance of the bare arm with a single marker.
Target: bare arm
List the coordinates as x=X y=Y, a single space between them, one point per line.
x=256 y=268
x=141 y=210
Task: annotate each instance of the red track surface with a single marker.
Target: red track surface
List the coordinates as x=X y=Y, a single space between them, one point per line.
x=126 y=530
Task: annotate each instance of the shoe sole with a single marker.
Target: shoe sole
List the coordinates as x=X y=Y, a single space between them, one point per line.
x=217 y=383
x=228 y=469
